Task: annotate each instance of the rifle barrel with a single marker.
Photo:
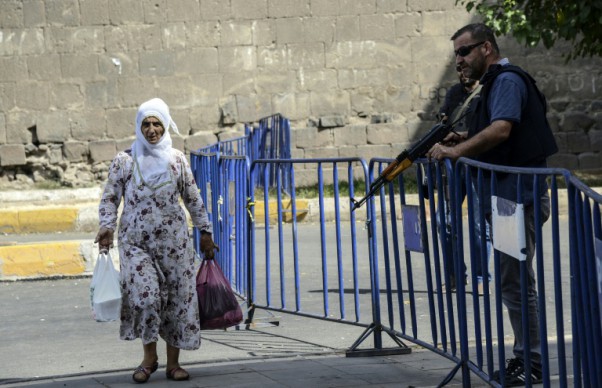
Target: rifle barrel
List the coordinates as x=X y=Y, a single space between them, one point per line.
x=405 y=160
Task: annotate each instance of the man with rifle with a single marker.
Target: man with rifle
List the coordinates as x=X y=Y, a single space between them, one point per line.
x=507 y=127
x=419 y=149
x=454 y=118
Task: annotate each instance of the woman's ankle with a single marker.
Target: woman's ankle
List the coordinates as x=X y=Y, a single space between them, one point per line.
x=149 y=361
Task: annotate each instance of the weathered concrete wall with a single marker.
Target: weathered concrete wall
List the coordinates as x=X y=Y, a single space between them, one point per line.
x=355 y=77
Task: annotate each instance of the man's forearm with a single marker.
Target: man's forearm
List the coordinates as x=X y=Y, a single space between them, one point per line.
x=494 y=134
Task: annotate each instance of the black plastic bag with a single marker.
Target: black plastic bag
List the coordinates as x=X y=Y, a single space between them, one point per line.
x=218 y=306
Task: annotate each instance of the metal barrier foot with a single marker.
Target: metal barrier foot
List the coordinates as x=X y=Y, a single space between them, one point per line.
x=253 y=322
x=450 y=376
x=376 y=329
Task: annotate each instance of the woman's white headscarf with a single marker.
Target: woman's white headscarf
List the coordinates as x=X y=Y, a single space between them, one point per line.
x=152 y=160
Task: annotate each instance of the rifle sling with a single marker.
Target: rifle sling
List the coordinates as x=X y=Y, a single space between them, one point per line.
x=472 y=95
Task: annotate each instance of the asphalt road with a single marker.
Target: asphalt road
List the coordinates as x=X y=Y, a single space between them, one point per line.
x=47 y=328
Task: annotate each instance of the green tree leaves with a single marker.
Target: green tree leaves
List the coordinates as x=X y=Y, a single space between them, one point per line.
x=545 y=21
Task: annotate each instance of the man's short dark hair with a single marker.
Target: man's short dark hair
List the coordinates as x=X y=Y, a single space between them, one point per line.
x=479 y=32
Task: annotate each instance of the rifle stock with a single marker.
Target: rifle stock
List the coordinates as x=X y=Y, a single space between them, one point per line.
x=405 y=160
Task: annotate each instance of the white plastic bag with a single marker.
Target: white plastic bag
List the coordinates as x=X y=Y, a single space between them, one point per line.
x=105 y=290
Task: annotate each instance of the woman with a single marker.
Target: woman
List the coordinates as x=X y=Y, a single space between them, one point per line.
x=157 y=259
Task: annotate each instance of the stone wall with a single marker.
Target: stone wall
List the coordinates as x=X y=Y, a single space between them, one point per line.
x=355 y=77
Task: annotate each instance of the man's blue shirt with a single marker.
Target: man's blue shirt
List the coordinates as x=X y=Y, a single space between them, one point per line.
x=508 y=97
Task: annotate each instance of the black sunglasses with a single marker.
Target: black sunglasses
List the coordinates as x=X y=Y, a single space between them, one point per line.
x=465 y=50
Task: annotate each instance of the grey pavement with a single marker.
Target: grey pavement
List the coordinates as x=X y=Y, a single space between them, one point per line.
x=50 y=340
x=299 y=371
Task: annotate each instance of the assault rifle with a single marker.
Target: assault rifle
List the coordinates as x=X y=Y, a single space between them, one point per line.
x=405 y=160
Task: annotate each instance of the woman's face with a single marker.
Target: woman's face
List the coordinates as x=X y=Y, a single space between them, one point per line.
x=152 y=129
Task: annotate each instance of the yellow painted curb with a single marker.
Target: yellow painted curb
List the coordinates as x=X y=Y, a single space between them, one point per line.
x=302 y=207
x=38 y=220
x=9 y=221
x=49 y=259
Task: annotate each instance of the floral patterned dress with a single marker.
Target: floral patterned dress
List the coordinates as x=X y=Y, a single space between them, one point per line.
x=157 y=260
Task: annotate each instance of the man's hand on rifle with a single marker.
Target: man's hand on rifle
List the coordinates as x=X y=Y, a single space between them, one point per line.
x=454 y=138
x=440 y=152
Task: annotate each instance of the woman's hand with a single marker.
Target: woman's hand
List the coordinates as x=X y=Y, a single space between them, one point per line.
x=104 y=238
x=208 y=247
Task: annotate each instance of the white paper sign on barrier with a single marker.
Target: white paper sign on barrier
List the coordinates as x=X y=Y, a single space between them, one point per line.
x=508 y=227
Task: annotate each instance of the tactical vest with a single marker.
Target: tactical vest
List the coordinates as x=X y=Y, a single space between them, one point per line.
x=531 y=141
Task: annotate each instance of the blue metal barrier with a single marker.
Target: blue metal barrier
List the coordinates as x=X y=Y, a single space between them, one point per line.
x=268 y=266
x=401 y=214
x=234 y=173
x=480 y=325
x=208 y=149
x=300 y=272
x=279 y=283
x=204 y=166
x=485 y=181
x=235 y=146
x=586 y=271
x=271 y=139
x=224 y=186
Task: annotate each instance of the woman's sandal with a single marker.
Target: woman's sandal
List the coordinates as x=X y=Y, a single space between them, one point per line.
x=146 y=370
x=173 y=374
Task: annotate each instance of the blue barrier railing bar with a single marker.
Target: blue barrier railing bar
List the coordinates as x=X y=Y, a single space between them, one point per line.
x=592 y=202
x=541 y=292
x=432 y=210
x=241 y=224
x=588 y=278
x=280 y=239
x=576 y=324
x=339 y=253
x=582 y=297
x=295 y=232
x=354 y=251
x=427 y=259
x=266 y=202
x=385 y=242
x=485 y=278
x=373 y=254
x=226 y=225
x=479 y=257
x=446 y=249
x=557 y=279
x=323 y=240
x=396 y=261
x=459 y=274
